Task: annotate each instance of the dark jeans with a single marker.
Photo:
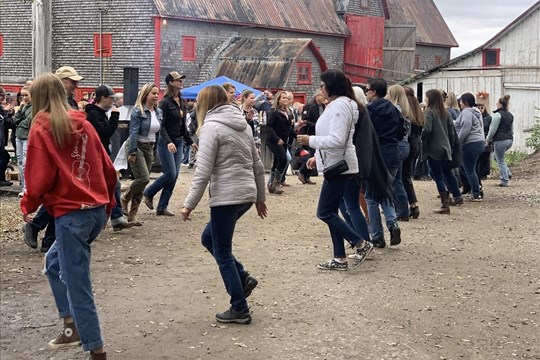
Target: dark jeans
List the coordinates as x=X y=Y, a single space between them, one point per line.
x=408 y=170
x=4 y=162
x=484 y=164
x=389 y=211
x=185 y=154
x=331 y=194
x=350 y=209
x=471 y=153
x=217 y=239
x=280 y=157
x=44 y=220
x=117 y=209
x=441 y=174
x=402 y=201
x=170 y=163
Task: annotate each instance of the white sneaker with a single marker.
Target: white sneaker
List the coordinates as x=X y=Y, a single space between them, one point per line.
x=20 y=195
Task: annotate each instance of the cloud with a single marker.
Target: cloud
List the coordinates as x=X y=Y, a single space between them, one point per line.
x=474 y=22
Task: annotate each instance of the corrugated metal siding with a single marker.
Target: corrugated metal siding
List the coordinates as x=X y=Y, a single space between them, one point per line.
x=364 y=49
x=431 y=27
x=301 y=15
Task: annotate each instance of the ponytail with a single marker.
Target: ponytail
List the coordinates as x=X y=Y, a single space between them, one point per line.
x=504 y=102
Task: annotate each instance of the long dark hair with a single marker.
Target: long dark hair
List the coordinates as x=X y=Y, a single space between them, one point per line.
x=504 y=102
x=436 y=103
x=468 y=99
x=338 y=84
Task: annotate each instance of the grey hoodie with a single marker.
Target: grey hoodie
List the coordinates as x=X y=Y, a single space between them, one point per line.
x=469 y=126
x=228 y=159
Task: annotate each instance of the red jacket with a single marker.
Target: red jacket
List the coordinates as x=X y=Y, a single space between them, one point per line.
x=80 y=176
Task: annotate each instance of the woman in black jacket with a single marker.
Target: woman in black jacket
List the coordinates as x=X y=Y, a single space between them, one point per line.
x=278 y=129
x=173 y=133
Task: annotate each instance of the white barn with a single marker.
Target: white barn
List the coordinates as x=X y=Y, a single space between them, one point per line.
x=509 y=63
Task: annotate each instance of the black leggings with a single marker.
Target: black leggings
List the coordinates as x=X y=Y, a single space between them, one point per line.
x=408 y=170
x=280 y=157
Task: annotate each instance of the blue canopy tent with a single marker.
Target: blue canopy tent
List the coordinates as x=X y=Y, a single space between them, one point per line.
x=191 y=92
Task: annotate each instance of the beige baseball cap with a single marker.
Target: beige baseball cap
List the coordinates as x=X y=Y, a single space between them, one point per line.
x=68 y=72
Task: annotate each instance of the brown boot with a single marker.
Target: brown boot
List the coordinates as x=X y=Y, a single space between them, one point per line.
x=445 y=204
x=134 y=209
x=98 y=356
x=274 y=185
x=124 y=201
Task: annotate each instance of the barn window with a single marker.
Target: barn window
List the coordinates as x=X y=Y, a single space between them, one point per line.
x=491 y=57
x=364 y=4
x=104 y=46
x=416 y=62
x=188 y=48
x=1 y=44
x=304 y=73
x=299 y=97
x=438 y=60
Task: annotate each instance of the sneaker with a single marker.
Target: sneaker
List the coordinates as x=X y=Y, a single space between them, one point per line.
x=395 y=234
x=379 y=243
x=164 y=213
x=190 y=166
x=122 y=226
x=332 y=264
x=361 y=254
x=20 y=195
x=44 y=248
x=30 y=235
x=96 y=356
x=250 y=283
x=6 y=183
x=503 y=185
x=67 y=338
x=456 y=201
x=476 y=198
x=233 y=316
x=149 y=202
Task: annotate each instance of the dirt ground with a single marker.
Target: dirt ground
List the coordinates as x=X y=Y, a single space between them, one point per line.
x=463 y=286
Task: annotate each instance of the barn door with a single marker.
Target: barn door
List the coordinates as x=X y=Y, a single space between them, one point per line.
x=399 y=50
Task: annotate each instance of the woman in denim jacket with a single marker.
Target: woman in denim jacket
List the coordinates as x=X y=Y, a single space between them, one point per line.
x=145 y=123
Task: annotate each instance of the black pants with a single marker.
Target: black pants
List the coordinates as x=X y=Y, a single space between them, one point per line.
x=408 y=169
x=280 y=157
x=4 y=162
x=484 y=164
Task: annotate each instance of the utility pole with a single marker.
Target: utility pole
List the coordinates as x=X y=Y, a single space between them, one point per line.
x=41 y=37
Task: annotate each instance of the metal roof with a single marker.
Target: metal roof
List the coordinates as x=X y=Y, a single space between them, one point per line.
x=268 y=67
x=431 y=29
x=312 y=16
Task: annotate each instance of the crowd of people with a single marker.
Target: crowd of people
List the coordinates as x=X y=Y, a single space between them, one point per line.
x=364 y=142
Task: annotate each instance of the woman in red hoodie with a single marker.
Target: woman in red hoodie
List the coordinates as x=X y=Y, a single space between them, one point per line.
x=69 y=172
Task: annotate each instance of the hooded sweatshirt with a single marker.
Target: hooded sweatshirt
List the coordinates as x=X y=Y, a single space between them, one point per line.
x=228 y=159
x=386 y=121
x=105 y=126
x=469 y=126
x=78 y=177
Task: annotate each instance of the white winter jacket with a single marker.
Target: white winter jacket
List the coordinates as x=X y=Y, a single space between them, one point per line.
x=228 y=159
x=334 y=132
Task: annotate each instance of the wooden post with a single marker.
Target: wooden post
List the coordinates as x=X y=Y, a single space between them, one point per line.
x=41 y=37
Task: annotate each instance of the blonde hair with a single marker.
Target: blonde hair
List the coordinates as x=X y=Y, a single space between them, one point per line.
x=143 y=95
x=359 y=95
x=278 y=96
x=49 y=97
x=418 y=115
x=451 y=101
x=396 y=94
x=209 y=98
x=227 y=86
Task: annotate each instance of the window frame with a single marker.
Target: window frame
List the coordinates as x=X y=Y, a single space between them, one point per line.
x=416 y=64
x=438 y=60
x=362 y=6
x=497 y=59
x=309 y=66
x=193 y=55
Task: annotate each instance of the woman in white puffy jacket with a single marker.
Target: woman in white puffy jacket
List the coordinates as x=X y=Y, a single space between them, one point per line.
x=334 y=142
x=229 y=160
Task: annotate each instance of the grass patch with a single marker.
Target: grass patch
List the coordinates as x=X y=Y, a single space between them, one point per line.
x=512 y=158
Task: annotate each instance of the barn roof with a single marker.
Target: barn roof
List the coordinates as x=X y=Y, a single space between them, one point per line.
x=268 y=67
x=296 y=15
x=486 y=45
x=431 y=29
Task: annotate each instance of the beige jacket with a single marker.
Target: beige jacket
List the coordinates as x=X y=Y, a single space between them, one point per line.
x=228 y=159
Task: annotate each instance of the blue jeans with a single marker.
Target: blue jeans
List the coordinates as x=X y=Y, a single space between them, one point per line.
x=21 y=149
x=184 y=151
x=440 y=173
x=170 y=163
x=402 y=201
x=331 y=194
x=117 y=209
x=289 y=160
x=350 y=209
x=68 y=270
x=375 y=221
x=217 y=239
x=501 y=147
x=44 y=220
x=471 y=153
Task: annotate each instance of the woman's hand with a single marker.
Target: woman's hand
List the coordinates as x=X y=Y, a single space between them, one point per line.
x=311 y=163
x=303 y=139
x=262 y=210
x=195 y=147
x=185 y=214
x=171 y=147
x=132 y=158
x=280 y=142
x=28 y=218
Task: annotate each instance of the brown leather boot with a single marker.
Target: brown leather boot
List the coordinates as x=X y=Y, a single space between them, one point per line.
x=445 y=204
x=134 y=209
x=98 y=356
x=124 y=202
x=274 y=186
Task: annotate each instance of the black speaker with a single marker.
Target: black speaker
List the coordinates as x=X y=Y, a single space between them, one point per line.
x=131 y=85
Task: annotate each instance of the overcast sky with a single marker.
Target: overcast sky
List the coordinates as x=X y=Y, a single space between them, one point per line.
x=473 y=22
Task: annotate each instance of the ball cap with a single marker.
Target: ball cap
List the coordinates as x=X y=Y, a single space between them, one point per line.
x=174 y=75
x=68 y=72
x=104 y=91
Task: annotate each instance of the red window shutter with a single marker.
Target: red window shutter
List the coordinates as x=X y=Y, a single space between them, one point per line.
x=1 y=44
x=106 y=47
x=188 y=48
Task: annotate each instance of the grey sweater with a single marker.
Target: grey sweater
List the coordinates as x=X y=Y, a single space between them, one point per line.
x=228 y=159
x=469 y=126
